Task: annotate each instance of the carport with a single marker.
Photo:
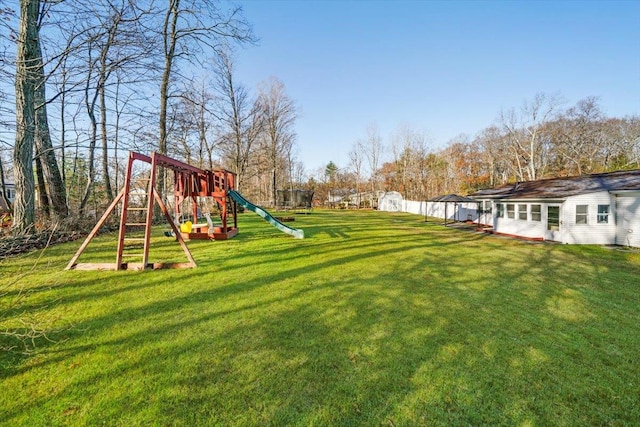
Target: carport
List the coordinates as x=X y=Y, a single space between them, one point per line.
x=456 y=200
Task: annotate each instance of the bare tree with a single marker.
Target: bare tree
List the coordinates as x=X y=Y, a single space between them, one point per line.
x=279 y=114
x=578 y=136
x=622 y=143
x=524 y=131
x=373 y=153
x=494 y=151
x=356 y=160
x=112 y=42
x=191 y=27
x=240 y=118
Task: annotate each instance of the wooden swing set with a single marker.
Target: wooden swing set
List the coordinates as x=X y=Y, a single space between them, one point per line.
x=136 y=213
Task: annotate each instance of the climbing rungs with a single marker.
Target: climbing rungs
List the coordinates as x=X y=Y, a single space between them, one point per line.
x=136 y=209
x=134 y=239
x=132 y=255
x=135 y=224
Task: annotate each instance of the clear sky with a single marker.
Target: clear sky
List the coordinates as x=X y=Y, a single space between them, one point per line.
x=442 y=67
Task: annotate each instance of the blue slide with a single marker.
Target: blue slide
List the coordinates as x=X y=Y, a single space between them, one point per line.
x=295 y=232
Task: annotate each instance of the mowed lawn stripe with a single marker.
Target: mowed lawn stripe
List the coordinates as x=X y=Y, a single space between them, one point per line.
x=373 y=319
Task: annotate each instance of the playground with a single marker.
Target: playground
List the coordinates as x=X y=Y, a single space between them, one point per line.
x=136 y=201
x=373 y=318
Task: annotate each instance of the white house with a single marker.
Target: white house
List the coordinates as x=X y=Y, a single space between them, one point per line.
x=10 y=190
x=602 y=209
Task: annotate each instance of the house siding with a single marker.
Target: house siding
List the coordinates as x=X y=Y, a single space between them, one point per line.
x=570 y=232
x=628 y=219
x=520 y=227
x=11 y=191
x=576 y=201
x=592 y=232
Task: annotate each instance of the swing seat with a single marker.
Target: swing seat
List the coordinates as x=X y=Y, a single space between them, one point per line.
x=186 y=227
x=199 y=228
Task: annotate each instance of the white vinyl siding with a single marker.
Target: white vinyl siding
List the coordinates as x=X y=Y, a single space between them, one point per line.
x=580 y=227
x=627 y=214
x=522 y=223
x=570 y=231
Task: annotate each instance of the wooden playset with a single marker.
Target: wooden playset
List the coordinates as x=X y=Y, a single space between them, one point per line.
x=136 y=208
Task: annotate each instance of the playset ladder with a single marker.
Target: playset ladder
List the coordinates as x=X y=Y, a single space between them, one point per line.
x=134 y=233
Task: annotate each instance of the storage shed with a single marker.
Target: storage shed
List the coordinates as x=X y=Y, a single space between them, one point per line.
x=391 y=201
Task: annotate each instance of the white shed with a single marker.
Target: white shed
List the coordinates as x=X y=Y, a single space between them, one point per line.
x=391 y=201
x=601 y=209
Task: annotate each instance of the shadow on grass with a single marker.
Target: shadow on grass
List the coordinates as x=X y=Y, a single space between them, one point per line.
x=422 y=328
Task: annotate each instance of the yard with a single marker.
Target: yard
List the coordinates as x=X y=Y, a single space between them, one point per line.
x=372 y=319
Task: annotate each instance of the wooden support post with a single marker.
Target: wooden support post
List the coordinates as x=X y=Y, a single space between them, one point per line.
x=176 y=232
x=95 y=230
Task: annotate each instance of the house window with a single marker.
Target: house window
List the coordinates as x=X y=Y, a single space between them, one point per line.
x=487 y=206
x=582 y=212
x=510 y=211
x=535 y=212
x=603 y=214
x=522 y=212
x=500 y=210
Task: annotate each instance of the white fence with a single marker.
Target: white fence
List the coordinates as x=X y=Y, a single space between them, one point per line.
x=454 y=211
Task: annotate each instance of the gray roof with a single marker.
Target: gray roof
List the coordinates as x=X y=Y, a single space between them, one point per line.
x=565 y=186
x=454 y=198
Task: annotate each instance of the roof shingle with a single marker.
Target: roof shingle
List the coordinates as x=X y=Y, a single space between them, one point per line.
x=565 y=186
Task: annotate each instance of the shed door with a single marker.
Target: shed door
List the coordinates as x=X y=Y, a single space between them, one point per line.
x=554 y=223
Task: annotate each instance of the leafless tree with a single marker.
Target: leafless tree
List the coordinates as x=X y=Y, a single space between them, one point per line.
x=373 y=153
x=577 y=137
x=279 y=113
x=409 y=148
x=356 y=161
x=190 y=30
x=241 y=121
x=114 y=42
x=495 y=154
x=528 y=147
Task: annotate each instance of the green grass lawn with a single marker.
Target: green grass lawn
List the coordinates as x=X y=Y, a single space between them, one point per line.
x=372 y=319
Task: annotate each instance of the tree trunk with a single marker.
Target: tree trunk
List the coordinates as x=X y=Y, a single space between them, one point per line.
x=41 y=187
x=170 y=39
x=26 y=60
x=103 y=135
x=46 y=154
x=90 y=105
x=44 y=147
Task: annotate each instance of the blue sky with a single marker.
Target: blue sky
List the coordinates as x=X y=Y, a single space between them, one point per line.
x=443 y=68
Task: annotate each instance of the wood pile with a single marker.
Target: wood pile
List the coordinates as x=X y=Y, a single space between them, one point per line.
x=15 y=245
